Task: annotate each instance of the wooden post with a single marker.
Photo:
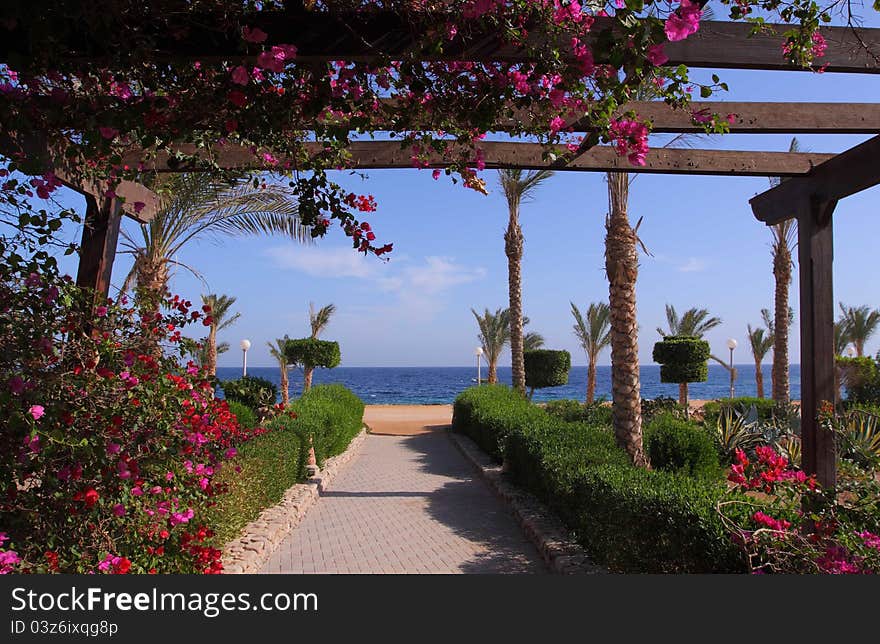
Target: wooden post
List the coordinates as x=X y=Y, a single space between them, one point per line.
x=815 y=256
x=98 y=249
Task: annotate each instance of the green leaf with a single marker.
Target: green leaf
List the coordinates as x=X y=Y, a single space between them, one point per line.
x=705 y=92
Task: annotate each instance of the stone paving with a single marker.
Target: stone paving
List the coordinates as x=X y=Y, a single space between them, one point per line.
x=407 y=504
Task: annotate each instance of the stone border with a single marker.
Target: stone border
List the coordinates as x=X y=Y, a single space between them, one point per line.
x=249 y=553
x=562 y=554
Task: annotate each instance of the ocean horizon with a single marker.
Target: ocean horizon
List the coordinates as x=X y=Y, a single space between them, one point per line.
x=440 y=385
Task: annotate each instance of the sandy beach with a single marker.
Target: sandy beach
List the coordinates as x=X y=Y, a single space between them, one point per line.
x=407 y=420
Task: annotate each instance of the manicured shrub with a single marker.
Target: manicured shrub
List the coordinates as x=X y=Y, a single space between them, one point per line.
x=764 y=409
x=312 y=352
x=629 y=519
x=245 y=415
x=682 y=359
x=653 y=407
x=251 y=391
x=332 y=415
x=546 y=368
x=861 y=378
x=679 y=446
x=572 y=411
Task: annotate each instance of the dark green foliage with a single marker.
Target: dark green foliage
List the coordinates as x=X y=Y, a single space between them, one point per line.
x=273 y=462
x=682 y=359
x=596 y=413
x=765 y=409
x=312 y=352
x=250 y=391
x=861 y=377
x=245 y=415
x=629 y=519
x=546 y=368
x=661 y=405
x=679 y=446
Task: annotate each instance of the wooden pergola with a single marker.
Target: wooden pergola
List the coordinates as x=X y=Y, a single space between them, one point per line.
x=814 y=185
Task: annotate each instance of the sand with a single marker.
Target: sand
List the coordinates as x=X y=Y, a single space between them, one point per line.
x=407 y=420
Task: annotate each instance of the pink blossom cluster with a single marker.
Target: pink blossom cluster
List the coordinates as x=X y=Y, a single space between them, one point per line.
x=630 y=138
x=684 y=22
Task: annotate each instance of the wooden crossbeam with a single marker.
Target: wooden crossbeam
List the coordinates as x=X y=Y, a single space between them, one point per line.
x=322 y=37
x=845 y=174
x=389 y=154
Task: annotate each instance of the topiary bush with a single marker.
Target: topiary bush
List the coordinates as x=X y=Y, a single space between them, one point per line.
x=546 y=368
x=251 y=391
x=312 y=352
x=861 y=378
x=682 y=359
x=245 y=415
x=679 y=446
x=595 y=413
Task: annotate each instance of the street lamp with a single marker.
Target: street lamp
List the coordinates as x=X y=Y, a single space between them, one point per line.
x=850 y=352
x=479 y=353
x=731 y=344
x=245 y=345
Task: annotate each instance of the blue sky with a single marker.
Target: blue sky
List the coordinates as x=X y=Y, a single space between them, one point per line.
x=706 y=248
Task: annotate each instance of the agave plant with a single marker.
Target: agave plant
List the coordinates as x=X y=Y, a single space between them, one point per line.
x=736 y=430
x=858 y=438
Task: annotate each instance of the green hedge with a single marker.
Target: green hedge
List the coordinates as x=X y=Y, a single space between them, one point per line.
x=546 y=368
x=764 y=407
x=682 y=359
x=251 y=391
x=629 y=519
x=573 y=411
x=245 y=415
x=861 y=377
x=267 y=465
x=311 y=352
x=676 y=445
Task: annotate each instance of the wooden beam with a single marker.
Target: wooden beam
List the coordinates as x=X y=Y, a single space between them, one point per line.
x=815 y=259
x=98 y=247
x=374 y=36
x=845 y=174
x=372 y=155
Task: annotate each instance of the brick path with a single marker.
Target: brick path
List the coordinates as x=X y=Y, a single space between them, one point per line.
x=407 y=504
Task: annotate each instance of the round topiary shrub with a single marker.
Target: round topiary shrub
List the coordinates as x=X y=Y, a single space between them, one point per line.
x=312 y=352
x=251 y=391
x=682 y=359
x=546 y=368
x=679 y=446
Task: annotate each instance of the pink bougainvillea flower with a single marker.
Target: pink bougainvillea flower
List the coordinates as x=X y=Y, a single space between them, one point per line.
x=16 y=385
x=101 y=311
x=240 y=75
x=108 y=132
x=37 y=411
x=255 y=35
x=138 y=206
x=657 y=56
x=237 y=98
x=684 y=22
x=119 y=510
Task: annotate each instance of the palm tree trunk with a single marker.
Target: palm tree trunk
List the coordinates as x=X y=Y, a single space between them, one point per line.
x=591 y=380
x=759 y=379
x=513 y=248
x=683 y=394
x=307 y=378
x=211 y=353
x=492 y=377
x=859 y=344
x=622 y=267
x=152 y=282
x=285 y=386
x=779 y=373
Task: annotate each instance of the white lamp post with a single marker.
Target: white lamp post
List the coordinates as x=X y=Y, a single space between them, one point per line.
x=245 y=345
x=850 y=352
x=731 y=344
x=478 y=352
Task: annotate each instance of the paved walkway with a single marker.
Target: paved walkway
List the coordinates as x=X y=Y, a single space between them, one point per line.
x=407 y=504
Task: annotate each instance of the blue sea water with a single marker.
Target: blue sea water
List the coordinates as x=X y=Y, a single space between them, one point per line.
x=439 y=385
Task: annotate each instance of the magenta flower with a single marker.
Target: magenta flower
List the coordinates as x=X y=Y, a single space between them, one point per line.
x=255 y=35
x=101 y=311
x=240 y=75
x=657 y=56
x=684 y=22
x=108 y=132
x=16 y=385
x=119 y=510
x=37 y=411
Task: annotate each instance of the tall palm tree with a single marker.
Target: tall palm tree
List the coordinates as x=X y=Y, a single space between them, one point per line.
x=494 y=335
x=276 y=350
x=318 y=321
x=518 y=186
x=841 y=340
x=594 y=334
x=221 y=319
x=860 y=322
x=200 y=353
x=197 y=206
x=694 y=323
x=783 y=239
x=761 y=341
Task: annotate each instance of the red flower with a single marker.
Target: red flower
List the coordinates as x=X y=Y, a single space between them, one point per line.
x=91 y=497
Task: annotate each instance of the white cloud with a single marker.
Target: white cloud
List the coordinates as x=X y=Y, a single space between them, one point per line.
x=325 y=262
x=692 y=265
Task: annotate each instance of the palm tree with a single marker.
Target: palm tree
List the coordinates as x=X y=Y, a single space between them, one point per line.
x=694 y=323
x=318 y=321
x=761 y=341
x=200 y=352
x=860 y=323
x=276 y=350
x=594 y=334
x=219 y=306
x=518 y=186
x=784 y=236
x=532 y=340
x=196 y=206
x=841 y=340
x=493 y=336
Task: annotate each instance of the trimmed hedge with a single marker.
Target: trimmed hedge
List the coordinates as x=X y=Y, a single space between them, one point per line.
x=861 y=377
x=573 y=411
x=268 y=464
x=251 y=391
x=682 y=359
x=546 y=368
x=312 y=352
x=764 y=407
x=629 y=519
x=245 y=415
x=679 y=446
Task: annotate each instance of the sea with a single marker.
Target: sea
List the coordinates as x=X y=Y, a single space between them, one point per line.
x=440 y=385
